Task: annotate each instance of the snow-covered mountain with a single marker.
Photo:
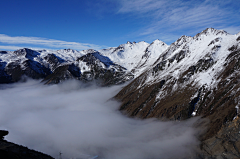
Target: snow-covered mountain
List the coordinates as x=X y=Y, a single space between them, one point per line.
x=54 y=66
x=135 y=56
x=194 y=76
x=127 y=54
x=126 y=60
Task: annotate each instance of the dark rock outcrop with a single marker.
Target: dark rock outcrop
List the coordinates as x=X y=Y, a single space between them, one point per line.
x=3 y=133
x=10 y=150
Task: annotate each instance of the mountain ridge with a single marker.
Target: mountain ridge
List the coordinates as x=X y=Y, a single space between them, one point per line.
x=195 y=76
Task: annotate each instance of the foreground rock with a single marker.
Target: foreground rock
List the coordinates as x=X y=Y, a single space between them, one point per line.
x=10 y=150
x=3 y=133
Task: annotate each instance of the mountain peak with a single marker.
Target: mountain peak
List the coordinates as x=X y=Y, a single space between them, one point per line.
x=26 y=52
x=215 y=31
x=90 y=51
x=183 y=39
x=212 y=31
x=67 y=51
x=157 y=41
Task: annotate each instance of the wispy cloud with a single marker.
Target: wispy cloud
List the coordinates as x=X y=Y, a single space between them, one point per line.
x=10 y=47
x=232 y=29
x=183 y=17
x=4 y=47
x=140 y=6
x=43 y=43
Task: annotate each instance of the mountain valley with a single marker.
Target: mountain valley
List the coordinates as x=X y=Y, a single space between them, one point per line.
x=194 y=76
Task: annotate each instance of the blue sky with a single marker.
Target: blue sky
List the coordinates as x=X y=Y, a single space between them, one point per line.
x=97 y=24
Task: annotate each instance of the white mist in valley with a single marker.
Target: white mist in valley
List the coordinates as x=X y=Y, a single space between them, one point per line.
x=80 y=121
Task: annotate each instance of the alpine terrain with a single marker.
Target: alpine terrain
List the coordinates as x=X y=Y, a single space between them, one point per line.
x=194 y=76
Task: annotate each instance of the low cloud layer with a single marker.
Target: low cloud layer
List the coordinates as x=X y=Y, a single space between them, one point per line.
x=80 y=121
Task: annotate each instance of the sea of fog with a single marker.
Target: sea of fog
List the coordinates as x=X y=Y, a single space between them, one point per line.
x=80 y=121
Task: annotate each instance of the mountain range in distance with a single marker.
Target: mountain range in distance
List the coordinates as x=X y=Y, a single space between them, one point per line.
x=194 y=76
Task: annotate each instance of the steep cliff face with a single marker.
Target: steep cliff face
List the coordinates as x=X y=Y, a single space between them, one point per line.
x=195 y=76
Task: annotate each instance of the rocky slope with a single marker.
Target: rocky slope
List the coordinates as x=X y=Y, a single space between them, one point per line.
x=195 y=76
